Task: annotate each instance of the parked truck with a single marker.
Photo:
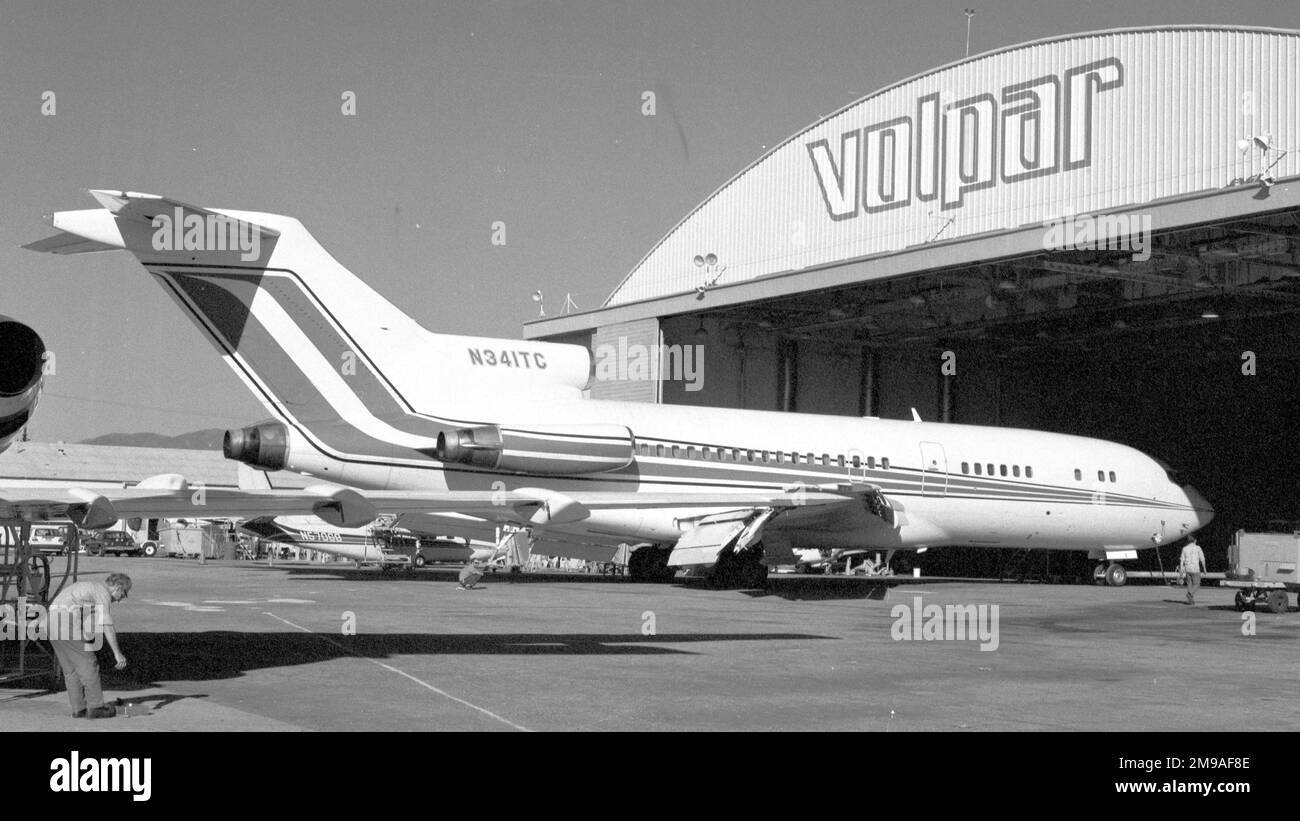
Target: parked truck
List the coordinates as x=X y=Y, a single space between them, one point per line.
x=1263 y=568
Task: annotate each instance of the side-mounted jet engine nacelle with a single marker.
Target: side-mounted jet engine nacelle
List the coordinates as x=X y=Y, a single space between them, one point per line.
x=264 y=446
x=560 y=449
x=22 y=372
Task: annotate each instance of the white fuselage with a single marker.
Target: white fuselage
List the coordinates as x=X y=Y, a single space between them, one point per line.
x=1032 y=490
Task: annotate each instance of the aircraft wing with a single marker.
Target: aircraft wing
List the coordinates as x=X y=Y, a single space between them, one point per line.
x=170 y=496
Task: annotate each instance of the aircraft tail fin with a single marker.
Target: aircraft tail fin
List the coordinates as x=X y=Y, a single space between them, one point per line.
x=317 y=346
x=324 y=352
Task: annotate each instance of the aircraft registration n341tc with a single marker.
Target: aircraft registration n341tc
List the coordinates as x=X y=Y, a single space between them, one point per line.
x=499 y=431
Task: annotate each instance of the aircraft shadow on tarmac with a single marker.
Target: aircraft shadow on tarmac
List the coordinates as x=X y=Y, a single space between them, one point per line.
x=791 y=587
x=164 y=657
x=443 y=574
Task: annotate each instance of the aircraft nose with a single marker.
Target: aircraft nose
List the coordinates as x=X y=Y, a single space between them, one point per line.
x=1202 y=509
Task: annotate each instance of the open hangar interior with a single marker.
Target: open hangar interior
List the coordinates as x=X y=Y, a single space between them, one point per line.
x=1171 y=328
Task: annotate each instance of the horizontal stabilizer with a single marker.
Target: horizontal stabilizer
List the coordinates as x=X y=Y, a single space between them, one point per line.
x=65 y=243
x=147 y=225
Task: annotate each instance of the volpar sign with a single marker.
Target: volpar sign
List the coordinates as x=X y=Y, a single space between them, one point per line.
x=944 y=150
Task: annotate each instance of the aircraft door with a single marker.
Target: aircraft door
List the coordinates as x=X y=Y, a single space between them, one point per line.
x=934 y=470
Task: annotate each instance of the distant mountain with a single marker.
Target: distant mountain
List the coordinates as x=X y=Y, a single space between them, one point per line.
x=197 y=440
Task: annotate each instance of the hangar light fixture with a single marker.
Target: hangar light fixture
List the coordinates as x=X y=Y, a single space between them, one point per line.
x=1263 y=142
x=1209 y=314
x=709 y=262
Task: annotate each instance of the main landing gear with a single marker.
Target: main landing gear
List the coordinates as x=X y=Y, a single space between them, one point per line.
x=743 y=570
x=649 y=563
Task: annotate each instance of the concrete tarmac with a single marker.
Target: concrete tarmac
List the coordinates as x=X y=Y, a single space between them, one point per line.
x=235 y=646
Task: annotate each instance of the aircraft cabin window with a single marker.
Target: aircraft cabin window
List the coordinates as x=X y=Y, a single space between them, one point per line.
x=884 y=463
x=735 y=454
x=839 y=460
x=767 y=457
x=978 y=469
x=749 y=456
x=1002 y=470
x=810 y=459
x=1078 y=475
x=780 y=457
x=991 y=469
x=1101 y=476
x=690 y=452
x=677 y=452
x=1015 y=471
x=826 y=460
x=857 y=461
x=707 y=453
x=1029 y=472
x=659 y=450
x=1112 y=475
x=965 y=467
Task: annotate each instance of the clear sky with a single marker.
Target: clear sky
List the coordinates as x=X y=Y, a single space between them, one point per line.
x=527 y=113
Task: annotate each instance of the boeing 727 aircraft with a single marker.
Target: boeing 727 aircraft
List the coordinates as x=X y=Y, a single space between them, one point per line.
x=365 y=398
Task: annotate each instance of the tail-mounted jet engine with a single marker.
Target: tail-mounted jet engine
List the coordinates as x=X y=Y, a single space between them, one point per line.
x=264 y=446
x=561 y=449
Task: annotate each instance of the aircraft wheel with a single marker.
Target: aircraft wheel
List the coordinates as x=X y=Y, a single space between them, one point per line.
x=1116 y=575
x=419 y=560
x=650 y=564
x=739 y=570
x=1276 y=601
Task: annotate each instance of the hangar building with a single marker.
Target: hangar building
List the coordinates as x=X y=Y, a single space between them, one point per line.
x=1096 y=234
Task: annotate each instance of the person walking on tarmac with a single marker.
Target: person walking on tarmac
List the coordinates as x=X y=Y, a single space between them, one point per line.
x=81 y=614
x=1191 y=564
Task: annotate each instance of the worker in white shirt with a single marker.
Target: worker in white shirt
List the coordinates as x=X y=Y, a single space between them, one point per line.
x=1191 y=565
